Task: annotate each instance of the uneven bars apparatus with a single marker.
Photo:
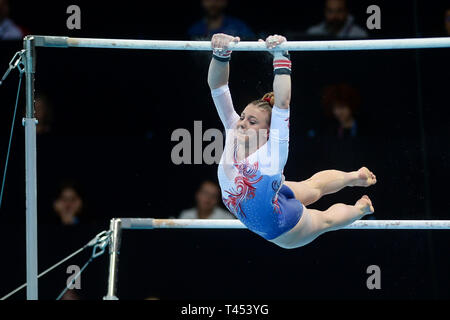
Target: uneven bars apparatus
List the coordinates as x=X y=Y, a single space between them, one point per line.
x=31 y=42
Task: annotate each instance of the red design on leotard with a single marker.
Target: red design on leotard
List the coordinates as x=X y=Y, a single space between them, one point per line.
x=287 y=119
x=276 y=205
x=244 y=182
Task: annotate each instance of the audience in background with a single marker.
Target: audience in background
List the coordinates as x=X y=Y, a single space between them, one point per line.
x=447 y=22
x=207 y=198
x=8 y=29
x=216 y=21
x=338 y=23
x=341 y=103
x=43 y=113
x=69 y=204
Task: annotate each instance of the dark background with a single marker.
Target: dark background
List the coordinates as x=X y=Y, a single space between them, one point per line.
x=115 y=111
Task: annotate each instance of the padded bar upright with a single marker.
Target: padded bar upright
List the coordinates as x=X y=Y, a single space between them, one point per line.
x=29 y=123
x=114 y=251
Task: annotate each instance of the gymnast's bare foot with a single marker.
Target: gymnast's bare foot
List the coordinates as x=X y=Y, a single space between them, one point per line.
x=365 y=205
x=363 y=178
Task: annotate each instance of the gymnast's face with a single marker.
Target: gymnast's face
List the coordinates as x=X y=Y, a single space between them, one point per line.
x=253 y=125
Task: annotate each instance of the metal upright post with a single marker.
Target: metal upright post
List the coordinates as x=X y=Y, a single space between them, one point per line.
x=114 y=250
x=30 y=172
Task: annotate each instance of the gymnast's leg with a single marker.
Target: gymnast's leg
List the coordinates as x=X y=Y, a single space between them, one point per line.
x=313 y=223
x=329 y=181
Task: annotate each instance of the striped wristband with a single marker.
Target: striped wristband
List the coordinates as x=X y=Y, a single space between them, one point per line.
x=282 y=63
x=222 y=55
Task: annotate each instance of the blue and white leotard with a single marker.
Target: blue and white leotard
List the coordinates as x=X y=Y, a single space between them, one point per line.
x=253 y=189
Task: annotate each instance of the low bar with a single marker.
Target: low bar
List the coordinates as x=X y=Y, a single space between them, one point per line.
x=150 y=223
x=378 y=44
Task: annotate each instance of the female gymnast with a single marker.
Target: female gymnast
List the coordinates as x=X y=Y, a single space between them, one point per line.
x=250 y=171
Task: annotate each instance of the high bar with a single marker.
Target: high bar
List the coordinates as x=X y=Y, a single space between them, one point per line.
x=150 y=223
x=377 y=44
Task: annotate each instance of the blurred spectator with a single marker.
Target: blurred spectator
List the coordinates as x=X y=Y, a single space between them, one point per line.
x=341 y=102
x=8 y=29
x=70 y=294
x=338 y=23
x=207 y=197
x=68 y=204
x=43 y=113
x=447 y=21
x=216 y=21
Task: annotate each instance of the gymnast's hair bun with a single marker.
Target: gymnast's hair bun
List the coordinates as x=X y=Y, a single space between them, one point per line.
x=270 y=98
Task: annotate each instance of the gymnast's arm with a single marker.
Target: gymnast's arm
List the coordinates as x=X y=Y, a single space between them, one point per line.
x=282 y=70
x=282 y=90
x=279 y=125
x=219 y=69
x=218 y=73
